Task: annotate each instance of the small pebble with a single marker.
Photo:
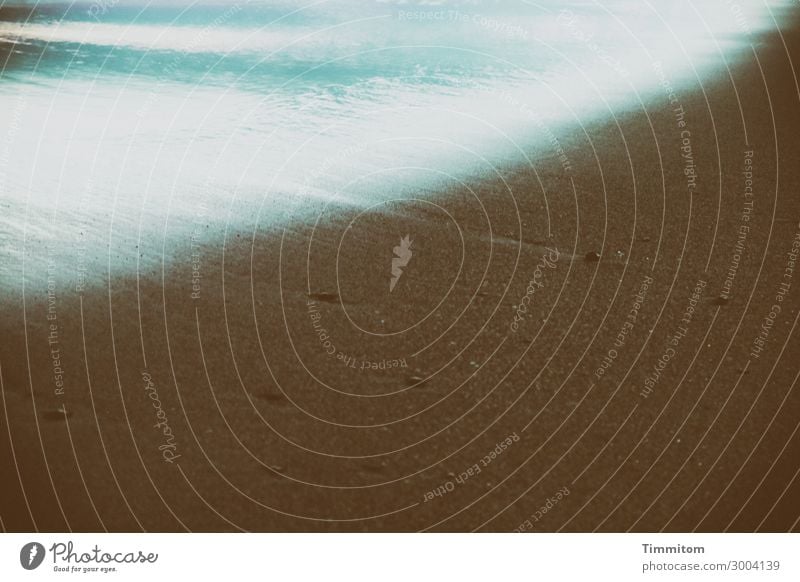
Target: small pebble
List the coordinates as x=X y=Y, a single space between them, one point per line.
x=720 y=300
x=416 y=381
x=592 y=257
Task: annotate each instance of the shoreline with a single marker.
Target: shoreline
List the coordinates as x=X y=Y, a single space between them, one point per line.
x=270 y=431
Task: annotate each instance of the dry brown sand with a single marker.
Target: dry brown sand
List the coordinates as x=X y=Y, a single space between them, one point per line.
x=270 y=432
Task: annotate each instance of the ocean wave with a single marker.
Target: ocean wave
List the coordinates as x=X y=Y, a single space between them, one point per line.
x=353 y=106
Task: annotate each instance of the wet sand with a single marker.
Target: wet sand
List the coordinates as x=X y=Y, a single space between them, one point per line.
x=271 y=381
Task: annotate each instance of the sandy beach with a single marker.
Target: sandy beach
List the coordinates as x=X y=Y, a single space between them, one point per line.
x=605 y=340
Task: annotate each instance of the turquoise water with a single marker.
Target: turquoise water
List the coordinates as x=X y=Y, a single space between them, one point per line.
x=124 y=118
